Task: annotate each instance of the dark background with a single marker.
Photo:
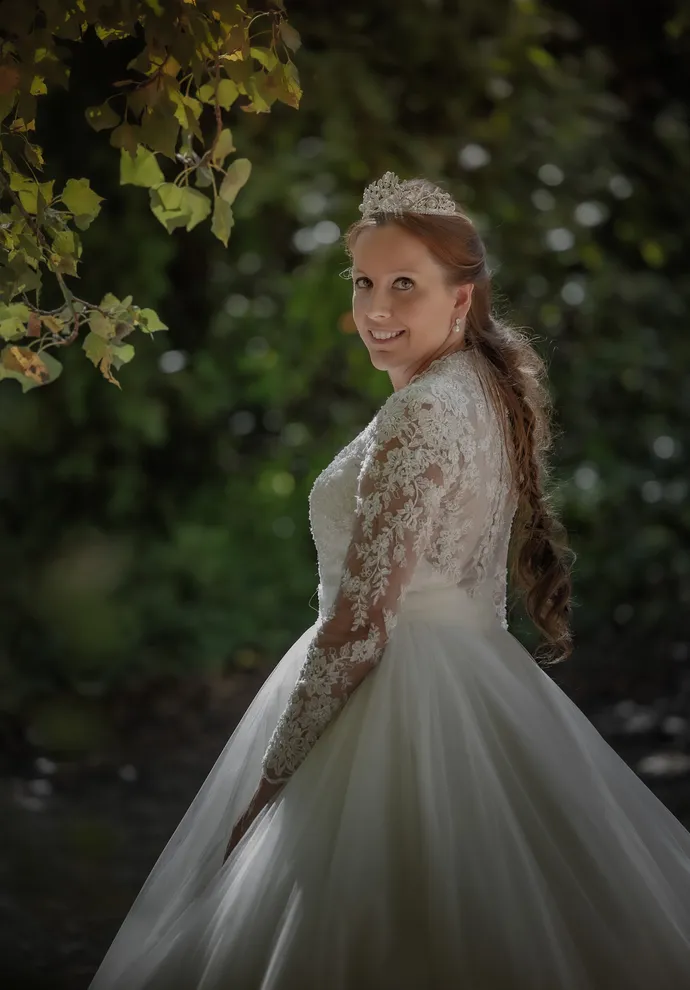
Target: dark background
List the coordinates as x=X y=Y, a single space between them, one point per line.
x=157 y=560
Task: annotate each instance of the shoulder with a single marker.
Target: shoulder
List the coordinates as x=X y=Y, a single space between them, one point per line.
x=428 y=403
x=418 y=422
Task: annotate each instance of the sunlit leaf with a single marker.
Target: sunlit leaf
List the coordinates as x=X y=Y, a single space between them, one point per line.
x=142 y=170
x=38 y=86
x=166 y=206
x=195 y=205
x=265 y=56
x=122 y=354
x=150 y=321
x=102 y=325
x=80 y=199
x=236 y=176
x=223 y=147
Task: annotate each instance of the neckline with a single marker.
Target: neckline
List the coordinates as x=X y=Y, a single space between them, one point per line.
x=443 y=357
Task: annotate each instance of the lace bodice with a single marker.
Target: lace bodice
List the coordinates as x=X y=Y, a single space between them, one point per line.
x=420 y=499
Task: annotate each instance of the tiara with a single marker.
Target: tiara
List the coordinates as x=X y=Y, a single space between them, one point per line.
x=389 y=195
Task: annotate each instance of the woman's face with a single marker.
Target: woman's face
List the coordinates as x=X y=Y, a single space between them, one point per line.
x=399 y=286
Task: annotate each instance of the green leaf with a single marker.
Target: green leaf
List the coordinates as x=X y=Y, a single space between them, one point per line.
x=150 y=321
x=266 y=56
x=289 y=36
x=122 y=354
x=170 y=195
x=159 y=131
x=102 y=325
x=204 y=176
x=259 y=95
x=235 y=178
x=80 y=199
x=65 y=252
x=95 y=347
x=28 y=191
x=13 y=320
x=222 y=221
x=110 y=302
x=142 y=170
x=195 y=205
x=100 y=353
x=227 y=93
x=66 y=242
x=12 y=328
x=166 y=203
x=102 y=117
x=125 y=136
x=187 y=111
x=292 y=84
x=38 y=86
x=224 y=146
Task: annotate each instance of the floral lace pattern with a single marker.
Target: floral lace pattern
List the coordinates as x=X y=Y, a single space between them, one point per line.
x=420 y=498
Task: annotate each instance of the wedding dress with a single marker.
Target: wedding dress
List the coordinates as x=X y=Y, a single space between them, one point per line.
x=450 y=820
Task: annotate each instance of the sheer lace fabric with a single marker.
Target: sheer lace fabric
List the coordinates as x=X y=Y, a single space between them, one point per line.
x=431 y=506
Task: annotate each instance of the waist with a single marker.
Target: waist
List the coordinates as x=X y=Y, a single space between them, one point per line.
x=452 y=605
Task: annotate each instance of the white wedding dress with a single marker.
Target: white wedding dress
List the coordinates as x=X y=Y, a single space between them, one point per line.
x=450 y=820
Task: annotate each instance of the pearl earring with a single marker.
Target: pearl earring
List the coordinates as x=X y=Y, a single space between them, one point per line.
x=458 y=325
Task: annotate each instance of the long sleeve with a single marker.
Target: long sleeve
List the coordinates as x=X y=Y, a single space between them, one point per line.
x=411 y=462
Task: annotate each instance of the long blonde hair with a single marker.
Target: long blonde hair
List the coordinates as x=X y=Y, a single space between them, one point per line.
x=540 y=559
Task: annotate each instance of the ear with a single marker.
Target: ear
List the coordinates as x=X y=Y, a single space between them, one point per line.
x=463 y=300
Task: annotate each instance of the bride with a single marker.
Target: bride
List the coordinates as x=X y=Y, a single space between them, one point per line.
x=411 y=802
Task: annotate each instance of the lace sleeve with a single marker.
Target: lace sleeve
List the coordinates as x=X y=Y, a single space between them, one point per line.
x=411 y=462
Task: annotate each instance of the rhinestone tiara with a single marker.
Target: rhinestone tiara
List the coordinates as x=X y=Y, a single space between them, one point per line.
x=389 y=195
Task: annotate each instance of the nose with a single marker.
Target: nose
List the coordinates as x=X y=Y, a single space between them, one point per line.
x=379 y=305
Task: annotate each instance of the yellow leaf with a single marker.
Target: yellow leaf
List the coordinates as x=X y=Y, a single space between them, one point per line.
x=28 y=363
x=52 y=324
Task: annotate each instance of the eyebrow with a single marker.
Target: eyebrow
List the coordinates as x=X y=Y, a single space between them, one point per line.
x=398 y=271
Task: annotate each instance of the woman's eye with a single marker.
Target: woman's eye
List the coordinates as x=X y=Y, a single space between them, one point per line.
x=408 y=283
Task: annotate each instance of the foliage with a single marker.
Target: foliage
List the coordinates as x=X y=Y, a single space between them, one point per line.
x=197 y=60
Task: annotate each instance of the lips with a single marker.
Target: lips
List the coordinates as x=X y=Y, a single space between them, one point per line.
x=387 y=340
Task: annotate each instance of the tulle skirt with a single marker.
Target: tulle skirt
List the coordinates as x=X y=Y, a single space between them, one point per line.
x=460 y=824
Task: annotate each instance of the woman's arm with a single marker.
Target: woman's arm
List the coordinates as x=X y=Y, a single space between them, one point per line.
x=413 y=460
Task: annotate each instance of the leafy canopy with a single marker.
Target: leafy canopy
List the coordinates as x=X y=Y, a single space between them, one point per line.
x=199 y=59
